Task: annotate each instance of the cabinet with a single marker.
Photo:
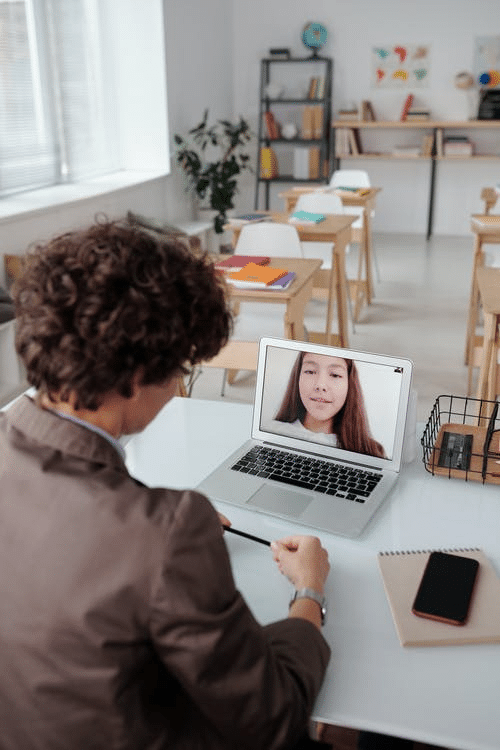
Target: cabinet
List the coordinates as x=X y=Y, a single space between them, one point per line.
x=294 y=122
x=423 y=139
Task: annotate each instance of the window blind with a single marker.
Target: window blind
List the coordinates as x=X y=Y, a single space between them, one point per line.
x=56 y=97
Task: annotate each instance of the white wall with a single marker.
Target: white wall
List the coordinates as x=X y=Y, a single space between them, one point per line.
x=355 y=26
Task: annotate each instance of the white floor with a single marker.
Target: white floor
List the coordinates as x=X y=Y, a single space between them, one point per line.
x=419 y=311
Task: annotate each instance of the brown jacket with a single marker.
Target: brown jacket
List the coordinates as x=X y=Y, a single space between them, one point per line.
x=120 y=623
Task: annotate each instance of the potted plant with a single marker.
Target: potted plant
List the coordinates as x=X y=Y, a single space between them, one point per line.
x=212 y=157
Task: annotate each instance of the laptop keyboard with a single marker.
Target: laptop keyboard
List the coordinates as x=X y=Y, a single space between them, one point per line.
x=309 y=473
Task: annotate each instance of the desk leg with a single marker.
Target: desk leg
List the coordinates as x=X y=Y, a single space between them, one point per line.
x=473 y=300
x=338 y=287
x=294 y=313
x=487 y=372
x=367 y=223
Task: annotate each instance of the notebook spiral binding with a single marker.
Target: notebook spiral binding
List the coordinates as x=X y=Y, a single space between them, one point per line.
x=428 y=551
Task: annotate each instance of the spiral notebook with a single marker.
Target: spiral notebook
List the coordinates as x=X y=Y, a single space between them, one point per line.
x=401 y=574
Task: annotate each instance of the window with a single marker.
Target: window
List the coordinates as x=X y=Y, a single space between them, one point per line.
x=57 y=106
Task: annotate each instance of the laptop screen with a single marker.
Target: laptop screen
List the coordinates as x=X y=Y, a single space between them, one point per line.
x=337 y=402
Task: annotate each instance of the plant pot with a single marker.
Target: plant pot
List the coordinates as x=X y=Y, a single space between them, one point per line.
x=203 y=213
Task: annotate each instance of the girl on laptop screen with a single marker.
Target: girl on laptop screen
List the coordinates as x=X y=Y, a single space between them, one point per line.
x=324 y=397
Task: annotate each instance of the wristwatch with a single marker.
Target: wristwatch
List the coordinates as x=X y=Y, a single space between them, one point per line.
x=315 y=596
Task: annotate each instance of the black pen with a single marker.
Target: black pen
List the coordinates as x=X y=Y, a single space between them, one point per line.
x=247 y=536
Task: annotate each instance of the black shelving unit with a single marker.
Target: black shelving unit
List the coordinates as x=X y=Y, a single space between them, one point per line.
x=319 y=66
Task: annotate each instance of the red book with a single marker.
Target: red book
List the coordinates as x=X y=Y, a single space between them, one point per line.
x=237 y=262
x=406 y=107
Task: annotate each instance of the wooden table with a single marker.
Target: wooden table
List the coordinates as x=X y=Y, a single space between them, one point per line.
x=336 y=230
x=484 y=234
x=365 y=199
x=488 y=282
x=295 y=297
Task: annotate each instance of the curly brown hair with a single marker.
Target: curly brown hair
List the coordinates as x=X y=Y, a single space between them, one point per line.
x=95 y=305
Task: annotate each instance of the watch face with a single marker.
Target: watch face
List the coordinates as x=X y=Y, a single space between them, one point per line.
x=314 y=35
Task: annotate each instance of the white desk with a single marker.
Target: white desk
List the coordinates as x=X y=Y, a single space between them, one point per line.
x=446 y=696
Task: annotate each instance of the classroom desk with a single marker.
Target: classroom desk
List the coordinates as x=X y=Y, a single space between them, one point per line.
x=337 y=230
x=441 y=695
x=295 y=297
x=483 y=235
x=365 y=199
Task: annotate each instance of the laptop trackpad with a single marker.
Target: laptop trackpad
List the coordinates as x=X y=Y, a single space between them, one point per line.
x=277 y=500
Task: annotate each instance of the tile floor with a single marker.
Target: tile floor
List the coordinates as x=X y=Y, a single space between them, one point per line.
x=419 y=311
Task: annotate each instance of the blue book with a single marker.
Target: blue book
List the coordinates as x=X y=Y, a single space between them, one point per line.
x=306 y=217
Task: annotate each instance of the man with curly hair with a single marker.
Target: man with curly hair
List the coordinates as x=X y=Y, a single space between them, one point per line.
x=120 y=624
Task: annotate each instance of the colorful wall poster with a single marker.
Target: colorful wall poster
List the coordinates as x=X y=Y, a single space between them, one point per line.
x=400 y=66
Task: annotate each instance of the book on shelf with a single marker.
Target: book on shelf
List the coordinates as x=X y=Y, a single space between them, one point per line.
x=314 y=162
x=418 y=114
x=406 y=107
x=320 y=88
x=301 y=163
x=251 y=218
x=235 y=263
x=306 y=217
x=427 y=145
x=255 y=276
x=348 y=114
x=457 y=146
x=401 y=574
x=367 y=111
x=271 y=125
x=317 y=121
x=307 y=122
x=268 y=163
x=347 y=142
x=311 y=92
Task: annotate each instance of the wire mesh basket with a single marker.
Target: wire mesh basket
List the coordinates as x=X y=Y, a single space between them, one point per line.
x=462 y=439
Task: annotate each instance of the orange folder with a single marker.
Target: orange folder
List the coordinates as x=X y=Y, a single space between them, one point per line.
x=259 y=275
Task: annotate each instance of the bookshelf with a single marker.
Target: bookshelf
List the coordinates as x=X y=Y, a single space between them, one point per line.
x=428 y=139
x=296 y=96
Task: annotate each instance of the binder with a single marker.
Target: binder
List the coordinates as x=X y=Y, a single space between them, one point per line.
x=401 y=574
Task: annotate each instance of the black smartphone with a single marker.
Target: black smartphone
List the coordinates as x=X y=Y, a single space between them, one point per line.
x=446 y=588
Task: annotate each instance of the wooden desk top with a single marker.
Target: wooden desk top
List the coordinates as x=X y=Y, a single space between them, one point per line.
x=491 y=225
x=488 y=280
x=304 y=269
x=359 y=199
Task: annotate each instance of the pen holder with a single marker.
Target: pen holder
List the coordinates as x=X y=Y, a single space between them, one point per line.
x=461 y=439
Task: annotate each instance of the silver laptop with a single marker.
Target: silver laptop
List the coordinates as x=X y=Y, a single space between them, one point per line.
x=327 y=436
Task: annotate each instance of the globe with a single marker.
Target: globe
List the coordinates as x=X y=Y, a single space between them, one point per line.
x=314 y=36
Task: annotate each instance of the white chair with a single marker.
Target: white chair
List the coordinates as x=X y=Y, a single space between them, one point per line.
x=356 y=178
x=251 y=319
x=323 y=203
x=268 y=238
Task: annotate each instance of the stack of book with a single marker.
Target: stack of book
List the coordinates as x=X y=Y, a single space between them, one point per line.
x=254 y=272
x=457 y=145
x=418 y=114
x=348 y=114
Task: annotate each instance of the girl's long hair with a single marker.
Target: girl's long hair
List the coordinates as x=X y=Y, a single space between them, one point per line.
x=350 y=424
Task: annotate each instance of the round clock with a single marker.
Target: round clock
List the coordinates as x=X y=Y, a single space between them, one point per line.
x=314 y=36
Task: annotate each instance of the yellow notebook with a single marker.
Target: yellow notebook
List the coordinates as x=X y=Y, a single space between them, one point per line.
x=401 y=574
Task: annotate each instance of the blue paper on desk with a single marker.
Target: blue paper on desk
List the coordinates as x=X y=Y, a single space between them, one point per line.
x=306 y=217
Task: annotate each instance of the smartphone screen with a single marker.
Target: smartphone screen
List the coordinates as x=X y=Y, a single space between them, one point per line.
x=446 y=587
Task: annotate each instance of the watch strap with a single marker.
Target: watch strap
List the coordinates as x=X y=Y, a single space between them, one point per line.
x=307 y=593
